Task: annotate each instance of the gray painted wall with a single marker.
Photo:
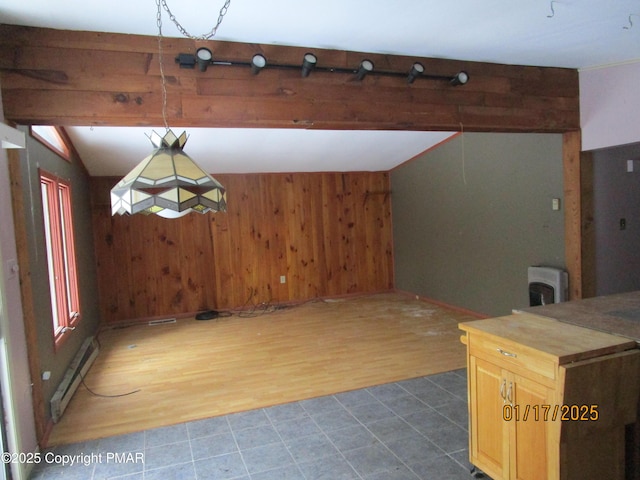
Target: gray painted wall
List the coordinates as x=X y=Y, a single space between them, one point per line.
x=616 y=195
x=34 y=157
x=470 y=216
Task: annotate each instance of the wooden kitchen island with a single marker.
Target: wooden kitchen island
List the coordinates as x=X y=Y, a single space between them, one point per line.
x=526 y=369
x=614 y=314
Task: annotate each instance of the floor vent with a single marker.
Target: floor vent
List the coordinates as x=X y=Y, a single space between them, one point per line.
x=162 y=321
x=76 y=371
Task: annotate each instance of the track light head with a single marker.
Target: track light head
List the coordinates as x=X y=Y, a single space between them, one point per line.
x=186 y=60
x=366 y=66
x=308 y=63
x=417 y=69
x=258 y=62
x=203 y=58
x=460 y=78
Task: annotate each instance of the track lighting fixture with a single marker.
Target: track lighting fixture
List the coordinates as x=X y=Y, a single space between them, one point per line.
x=258 y=62
x=308 y=63
x=459 y=78
x=203 y=58
x=417 y=69
x=366 y=66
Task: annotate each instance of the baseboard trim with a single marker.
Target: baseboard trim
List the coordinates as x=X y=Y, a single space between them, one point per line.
x=291 y=303
x=440 y=303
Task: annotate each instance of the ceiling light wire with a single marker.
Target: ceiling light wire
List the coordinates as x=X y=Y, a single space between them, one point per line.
x=630 y=22
x=553 y=11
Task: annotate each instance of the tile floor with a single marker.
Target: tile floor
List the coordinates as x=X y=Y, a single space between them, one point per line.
x=413 y=429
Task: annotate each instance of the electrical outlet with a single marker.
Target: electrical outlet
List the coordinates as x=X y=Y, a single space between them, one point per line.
x=283 y=279
x=623 y=223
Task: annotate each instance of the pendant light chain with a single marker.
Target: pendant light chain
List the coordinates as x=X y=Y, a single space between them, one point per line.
x=206 y=36
x=163 y=4
x=160 y=61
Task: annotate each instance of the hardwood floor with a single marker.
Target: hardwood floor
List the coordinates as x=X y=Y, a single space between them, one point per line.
x=193 y=369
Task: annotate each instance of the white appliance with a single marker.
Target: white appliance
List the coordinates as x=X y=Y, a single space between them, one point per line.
x=547 y=285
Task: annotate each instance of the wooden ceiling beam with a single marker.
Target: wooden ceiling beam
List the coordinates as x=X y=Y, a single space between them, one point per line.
x=87 y=78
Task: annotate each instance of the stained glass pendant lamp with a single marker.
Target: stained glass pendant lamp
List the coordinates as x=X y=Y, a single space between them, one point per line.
x=168 y=182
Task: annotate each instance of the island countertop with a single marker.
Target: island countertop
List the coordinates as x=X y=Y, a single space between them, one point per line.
x=617 y=314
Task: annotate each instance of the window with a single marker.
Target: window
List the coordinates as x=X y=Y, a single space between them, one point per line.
x=61 y=255
x=52 y=138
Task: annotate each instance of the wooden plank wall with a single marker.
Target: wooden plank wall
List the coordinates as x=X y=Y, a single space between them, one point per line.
x=89 y=78
x=328 y=233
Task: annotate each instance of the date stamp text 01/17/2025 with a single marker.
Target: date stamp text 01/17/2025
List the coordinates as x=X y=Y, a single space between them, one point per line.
x=546 y=413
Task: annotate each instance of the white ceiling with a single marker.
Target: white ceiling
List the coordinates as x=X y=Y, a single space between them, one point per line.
x=236 y=150
x=561 y=33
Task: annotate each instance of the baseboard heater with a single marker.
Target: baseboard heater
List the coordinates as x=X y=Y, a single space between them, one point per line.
x=76 y=371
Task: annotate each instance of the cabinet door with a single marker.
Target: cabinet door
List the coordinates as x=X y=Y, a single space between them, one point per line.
x=489 y=443
x=530 y=433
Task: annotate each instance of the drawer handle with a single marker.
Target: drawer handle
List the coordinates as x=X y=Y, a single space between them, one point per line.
x=507 y=354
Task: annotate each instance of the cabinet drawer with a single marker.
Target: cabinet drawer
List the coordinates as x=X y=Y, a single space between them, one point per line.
x=511 y=355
